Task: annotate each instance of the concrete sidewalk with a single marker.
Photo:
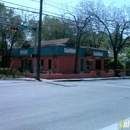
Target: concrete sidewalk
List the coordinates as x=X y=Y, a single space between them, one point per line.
x=75 y=79
x=90 y=79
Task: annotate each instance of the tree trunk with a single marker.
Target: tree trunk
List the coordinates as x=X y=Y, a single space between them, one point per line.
x=77 y=53
x=76 y=58
x=115 y=60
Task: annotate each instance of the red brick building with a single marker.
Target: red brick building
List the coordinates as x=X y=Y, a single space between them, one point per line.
x=58 y=56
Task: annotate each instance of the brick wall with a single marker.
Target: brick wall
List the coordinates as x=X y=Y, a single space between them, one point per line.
x=16 y=62
x=66 y=64
x=104 y=74
x=63 y=76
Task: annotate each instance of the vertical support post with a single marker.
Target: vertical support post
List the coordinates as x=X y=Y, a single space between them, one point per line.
x=124 y=66
x=39 y=41
x=77 y=52
x=35 y=51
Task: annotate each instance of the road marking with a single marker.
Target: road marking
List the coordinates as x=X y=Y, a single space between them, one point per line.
x=114 y=126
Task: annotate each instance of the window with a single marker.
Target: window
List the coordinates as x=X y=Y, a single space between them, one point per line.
x=49 y=64
x=89 y=64
x=98 y=64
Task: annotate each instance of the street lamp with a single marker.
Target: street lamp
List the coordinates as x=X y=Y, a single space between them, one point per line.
x=39 y=41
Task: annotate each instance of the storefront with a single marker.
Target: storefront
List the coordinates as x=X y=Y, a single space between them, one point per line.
x=59 y=57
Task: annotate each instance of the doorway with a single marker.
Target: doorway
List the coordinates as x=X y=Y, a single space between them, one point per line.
x=98 y=64
x=26 y=64
x=82 y=65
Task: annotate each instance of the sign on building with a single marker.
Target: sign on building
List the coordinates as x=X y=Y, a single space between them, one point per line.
x=98 y=53
x=69 y=50
x=23 y=52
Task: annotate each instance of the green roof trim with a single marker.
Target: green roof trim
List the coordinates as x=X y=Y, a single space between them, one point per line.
x=59 y=50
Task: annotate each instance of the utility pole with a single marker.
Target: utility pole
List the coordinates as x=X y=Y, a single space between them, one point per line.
x=77 y=53
x=39 y=41
x=35 y=51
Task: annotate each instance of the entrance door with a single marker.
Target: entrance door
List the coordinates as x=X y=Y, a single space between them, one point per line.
x=98 y=64
x=81 y=65
x=26 y=64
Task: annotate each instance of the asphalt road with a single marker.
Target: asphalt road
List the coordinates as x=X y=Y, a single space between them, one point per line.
x=88 y=105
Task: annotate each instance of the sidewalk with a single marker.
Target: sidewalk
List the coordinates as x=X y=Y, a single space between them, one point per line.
x=75 y=79
x=91 y=79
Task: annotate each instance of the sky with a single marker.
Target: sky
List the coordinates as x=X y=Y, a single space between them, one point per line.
x=53 y=6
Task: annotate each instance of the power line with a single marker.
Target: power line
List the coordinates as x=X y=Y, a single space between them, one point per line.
x=53 y=6
x=22 y=9
x=32 y=11
x=46 y=14
x=18 y=4
x=30 y=8
x=35 y=12
x=56 y=3
x=35 y=8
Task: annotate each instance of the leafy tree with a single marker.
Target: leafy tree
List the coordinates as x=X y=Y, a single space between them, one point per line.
x=80 y=24
x=95 y=36
x=125 y=57
x=10 y=38
x=95 y=40
x=54 y=28
x=115 y=21
x=109 y=63
x=127 y=52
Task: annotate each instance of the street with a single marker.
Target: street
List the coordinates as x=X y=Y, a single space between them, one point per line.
x=79 y=105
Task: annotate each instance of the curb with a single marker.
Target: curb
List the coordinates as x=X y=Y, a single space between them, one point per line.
x=89 y=79
x=65 y=80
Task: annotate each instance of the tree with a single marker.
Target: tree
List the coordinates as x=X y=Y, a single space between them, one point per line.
x=95 y=40
x=116 y=22
x=96 y=37
x=10 y=38
x=55 y=28
x=80 y=23
x=109 y=63
x=127 y=52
